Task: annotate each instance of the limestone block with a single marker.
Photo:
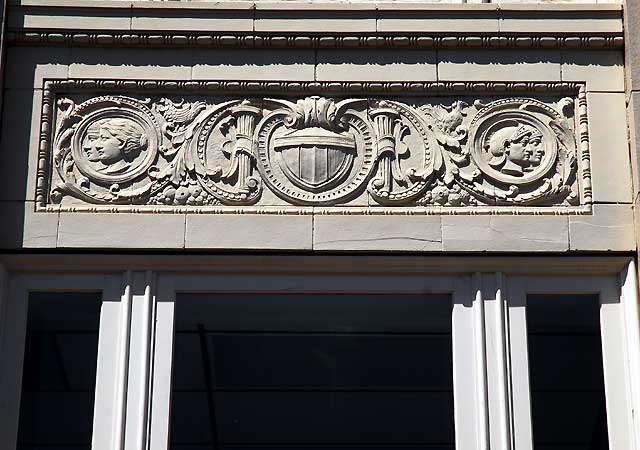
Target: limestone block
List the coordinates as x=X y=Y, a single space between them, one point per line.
x=610 y=228
x=26 y=67
x=308 y=20
x=376 y=65
x=250 y=64
x=122 y=230
x=534 y=18
x=119 y=63
x=236 y=20
x=499 y=65
x=112 y=18
x=429 y=18
x=19 y=143
x=633 y=112
x=24 y=228
x=505 y=233
x=40 y=228
x=610 y=167
x=602 y=70
x=377 y=233
x=249 y=231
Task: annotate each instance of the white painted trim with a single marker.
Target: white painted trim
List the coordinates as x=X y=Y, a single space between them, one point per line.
x=613 y=344
x=160 y=401
x=105 y=408
x=463 y=364
x=482 y=408
x=629 y=298
x=146 y=324
x=502 y=381
x=138 y=377
x=123 y=363
x=150 y=330
x=463 y=329
x=13 y=333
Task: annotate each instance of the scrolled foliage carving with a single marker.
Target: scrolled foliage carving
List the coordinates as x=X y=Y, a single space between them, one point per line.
x=319 y=151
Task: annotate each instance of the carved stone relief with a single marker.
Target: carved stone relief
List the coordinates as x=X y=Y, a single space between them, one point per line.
x=320 y=151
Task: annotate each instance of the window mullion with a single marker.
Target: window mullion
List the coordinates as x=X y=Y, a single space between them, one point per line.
x=482 y=400
x=497 y=369
x=467 y=421
x=162 y=338
x=522 y=431
x=138 y=378
x=111 y=366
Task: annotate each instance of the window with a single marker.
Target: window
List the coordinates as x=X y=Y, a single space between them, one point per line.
x=564 y=331
x=326 y=361
x=565 y=367
x=287 y=357
x=60 y=360
x=59 y=374
x=272 y=371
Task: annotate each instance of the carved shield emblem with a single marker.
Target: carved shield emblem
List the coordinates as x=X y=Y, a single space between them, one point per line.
x=314 y=158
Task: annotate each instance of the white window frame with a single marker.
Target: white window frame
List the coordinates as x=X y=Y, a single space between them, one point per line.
x=615 y=352
x=133 y=387
x=465 y=322
x=111 y=363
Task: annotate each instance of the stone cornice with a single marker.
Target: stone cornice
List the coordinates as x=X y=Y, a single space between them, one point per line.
x=337 y=5
x=314 y=25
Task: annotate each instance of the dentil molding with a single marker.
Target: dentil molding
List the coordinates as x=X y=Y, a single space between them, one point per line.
x=300 y=40
x=516 y=148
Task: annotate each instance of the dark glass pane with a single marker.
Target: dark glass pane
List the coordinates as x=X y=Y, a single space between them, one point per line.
x=312 y=371
x=565 y=365
x=58 y=386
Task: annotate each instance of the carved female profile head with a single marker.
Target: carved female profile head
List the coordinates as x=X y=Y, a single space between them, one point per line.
x=90 y=141
x=120 y=139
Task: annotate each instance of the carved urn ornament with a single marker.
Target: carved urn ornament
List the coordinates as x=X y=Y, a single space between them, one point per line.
x=315 y=150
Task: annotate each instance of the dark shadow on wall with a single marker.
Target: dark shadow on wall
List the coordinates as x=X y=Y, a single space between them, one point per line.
x=12 y=218
x=15 y=139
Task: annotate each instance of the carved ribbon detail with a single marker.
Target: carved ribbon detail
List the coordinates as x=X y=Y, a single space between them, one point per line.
x=316 y=151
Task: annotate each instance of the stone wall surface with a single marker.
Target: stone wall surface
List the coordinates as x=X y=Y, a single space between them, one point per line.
x=419 y=129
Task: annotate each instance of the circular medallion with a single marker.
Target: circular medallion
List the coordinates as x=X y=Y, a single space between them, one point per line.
x=513 y=147
x=115 y=144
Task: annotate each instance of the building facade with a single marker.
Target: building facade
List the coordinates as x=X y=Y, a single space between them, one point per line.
x=319 y=225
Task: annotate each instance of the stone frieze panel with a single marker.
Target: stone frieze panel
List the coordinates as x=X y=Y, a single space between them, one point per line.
x=408 y=152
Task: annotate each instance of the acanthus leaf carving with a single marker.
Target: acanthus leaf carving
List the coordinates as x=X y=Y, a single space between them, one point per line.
x=462 y=152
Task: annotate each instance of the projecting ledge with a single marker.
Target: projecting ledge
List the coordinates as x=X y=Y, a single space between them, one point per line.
x=323 y=16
